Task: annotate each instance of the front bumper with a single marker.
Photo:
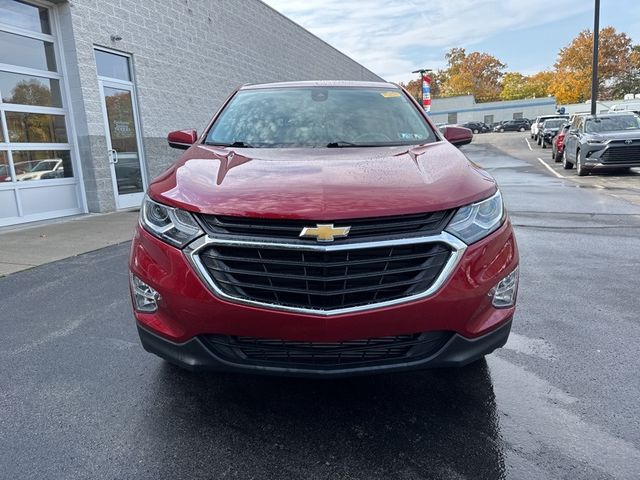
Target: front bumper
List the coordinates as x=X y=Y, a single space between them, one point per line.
x=189 y=312
x=197 y=355
x=611 y=155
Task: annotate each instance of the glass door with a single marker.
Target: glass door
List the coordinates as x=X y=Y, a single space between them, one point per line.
x=123 y=143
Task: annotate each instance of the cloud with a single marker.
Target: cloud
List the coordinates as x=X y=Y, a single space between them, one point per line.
x=394 y=38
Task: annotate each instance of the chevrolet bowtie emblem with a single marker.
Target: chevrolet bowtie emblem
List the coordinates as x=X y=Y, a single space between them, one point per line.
x=324 y=233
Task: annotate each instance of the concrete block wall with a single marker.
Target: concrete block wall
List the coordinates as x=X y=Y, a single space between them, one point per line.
x=188 y=55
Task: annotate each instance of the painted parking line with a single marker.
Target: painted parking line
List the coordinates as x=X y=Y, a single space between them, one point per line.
x=528 y=144
x=550 y=169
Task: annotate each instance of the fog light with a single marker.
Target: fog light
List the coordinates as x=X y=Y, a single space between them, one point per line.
x=504 y=294
x=145 y=298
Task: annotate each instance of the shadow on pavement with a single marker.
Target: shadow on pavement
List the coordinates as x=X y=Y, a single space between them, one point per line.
x=439 y=423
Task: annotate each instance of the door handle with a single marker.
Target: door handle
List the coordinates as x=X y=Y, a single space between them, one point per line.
x=113 y=156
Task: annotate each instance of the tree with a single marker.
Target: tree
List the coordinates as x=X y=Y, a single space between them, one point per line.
x=572 y=79
x=513 y=86
x=30 y=92
x=629 y=82
x=477 y=74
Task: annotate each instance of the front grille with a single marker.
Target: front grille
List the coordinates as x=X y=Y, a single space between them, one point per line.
x=288 y=353
x=420 y=224
x=324 y=280
x=621 y=154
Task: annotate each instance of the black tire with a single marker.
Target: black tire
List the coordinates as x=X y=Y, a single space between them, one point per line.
x=502 y=130
x=538 y=140
x=557 y=157
x=476 y=131
x=580 y=170
x=544 y=144
x=566 y=164
x=522 y=129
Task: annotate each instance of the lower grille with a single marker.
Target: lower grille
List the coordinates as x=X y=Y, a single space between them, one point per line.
x=324 y=280
x=285 y=353
x=621 y=154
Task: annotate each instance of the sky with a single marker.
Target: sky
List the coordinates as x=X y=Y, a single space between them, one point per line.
x=392 y=38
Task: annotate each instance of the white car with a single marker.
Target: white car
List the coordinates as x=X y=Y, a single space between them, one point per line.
x=535 y=126
x=44 y=169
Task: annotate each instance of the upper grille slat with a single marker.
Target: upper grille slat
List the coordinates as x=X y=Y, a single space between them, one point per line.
x=419 y=224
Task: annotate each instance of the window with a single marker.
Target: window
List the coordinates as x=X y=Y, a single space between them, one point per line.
x=41 y=165
x=452 y=118
x=27 y=52
x=36 y=128
x=29 y=90
x=517 y=116
x=34 y=141
x=488 y=119
x=23 y=15
x=112 y=65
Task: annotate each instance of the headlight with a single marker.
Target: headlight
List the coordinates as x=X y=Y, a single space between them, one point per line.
x=476 y=221
x=173 y=225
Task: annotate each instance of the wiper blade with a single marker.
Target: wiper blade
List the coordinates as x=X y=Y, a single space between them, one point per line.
x=234 y=144
x=341 y=144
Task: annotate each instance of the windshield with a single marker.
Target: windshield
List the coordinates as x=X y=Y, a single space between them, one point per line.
x=44 y=166
x=312 y=117
x=612 y=124
x=553 y=123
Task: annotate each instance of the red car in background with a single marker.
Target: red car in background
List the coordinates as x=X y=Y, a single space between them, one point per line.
x=323 y=229
x=557 y=144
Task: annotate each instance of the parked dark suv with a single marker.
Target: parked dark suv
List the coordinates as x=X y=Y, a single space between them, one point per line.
x=477 y=127
x=519 y=125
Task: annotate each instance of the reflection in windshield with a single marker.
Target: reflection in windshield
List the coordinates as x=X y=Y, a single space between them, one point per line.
x=314 y=117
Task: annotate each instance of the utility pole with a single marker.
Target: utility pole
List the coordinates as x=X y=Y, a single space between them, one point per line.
x=422 y=71
x=594 y=64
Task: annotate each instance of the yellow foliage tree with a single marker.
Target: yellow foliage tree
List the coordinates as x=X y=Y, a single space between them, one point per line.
x=572 y=77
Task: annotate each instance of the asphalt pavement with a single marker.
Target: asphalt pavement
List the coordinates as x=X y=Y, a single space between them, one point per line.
x=79 y=398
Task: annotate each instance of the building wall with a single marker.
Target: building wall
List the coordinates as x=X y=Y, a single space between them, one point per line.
x=467 y=110
x=188 y=55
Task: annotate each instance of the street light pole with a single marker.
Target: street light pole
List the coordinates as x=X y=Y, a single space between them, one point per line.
x=594 y=64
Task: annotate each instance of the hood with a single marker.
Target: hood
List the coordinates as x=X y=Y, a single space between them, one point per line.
x=619 y=135
x=322 y=184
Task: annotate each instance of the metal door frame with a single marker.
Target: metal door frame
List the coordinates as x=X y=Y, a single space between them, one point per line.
x=130 y=200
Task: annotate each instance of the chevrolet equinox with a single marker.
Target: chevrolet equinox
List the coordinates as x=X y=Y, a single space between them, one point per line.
x=323 y=229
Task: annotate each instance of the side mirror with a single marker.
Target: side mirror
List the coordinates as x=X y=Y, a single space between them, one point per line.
x=458 y=136
x=182 y=139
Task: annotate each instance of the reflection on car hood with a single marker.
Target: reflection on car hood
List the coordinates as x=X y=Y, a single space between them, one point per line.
x=619 y=135
x=322 y=183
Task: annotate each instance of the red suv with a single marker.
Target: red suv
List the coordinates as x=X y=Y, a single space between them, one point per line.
x=323 y=229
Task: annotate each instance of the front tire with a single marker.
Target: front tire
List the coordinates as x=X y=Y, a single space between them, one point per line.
x=580 y=170
x=544 y=144
x=522 y=129
x=566 y=164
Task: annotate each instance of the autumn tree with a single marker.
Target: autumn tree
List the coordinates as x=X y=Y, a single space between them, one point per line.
x=629 y=81
x=476 y=73
x=572 y=79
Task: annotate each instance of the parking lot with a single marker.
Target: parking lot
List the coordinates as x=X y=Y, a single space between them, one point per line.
x=79 y=398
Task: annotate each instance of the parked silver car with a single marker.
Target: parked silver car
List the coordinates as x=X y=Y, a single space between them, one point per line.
x=610 y=140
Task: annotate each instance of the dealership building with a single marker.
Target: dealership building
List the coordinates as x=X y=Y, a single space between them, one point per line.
x=89 y=90
x=463 y=108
